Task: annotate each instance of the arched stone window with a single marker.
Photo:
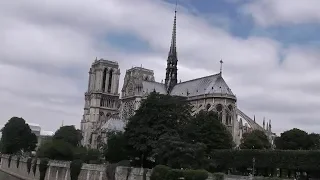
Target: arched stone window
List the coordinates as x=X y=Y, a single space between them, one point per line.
x=208 y=106
x=110 y=80
x=219 y=109
x=228 y=119
x=104 y=77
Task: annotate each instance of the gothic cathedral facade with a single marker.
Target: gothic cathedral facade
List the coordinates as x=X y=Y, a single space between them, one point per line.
x=105 y=111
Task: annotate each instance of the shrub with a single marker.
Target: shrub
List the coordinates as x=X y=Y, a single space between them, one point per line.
x=9 y=161
x=29 y=161
x=174 y=174
x=34 y=167
x=159 y=172
x=285 y=159
x=195 y=174
x=43 y=168
x=18 y=161
x=218 y=176
x=75 y=169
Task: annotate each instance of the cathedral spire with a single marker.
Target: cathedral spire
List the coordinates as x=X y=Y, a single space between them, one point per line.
x=172 y=61
x=221 y=62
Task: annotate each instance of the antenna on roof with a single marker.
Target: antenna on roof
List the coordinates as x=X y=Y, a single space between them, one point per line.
x=221 y=62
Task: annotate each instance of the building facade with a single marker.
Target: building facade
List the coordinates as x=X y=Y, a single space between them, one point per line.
x=105 y=111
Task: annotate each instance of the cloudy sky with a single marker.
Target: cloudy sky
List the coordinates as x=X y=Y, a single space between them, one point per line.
x=270 y=49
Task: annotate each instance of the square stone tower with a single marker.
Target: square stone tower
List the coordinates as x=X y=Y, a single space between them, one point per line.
x=102 y=97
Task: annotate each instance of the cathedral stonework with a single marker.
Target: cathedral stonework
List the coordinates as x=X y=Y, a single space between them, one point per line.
x=105 y=111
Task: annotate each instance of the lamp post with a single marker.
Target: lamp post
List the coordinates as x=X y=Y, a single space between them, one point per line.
x=253 y=163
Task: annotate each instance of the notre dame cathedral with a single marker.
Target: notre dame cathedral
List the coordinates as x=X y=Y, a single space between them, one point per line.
x=106 y=111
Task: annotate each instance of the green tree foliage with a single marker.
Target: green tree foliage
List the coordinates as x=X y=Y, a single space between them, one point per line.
x=294 y=139
x=158 y=114
x=255 y=139
x=206 y=128
x=68 y=134
x=56 y=149
x=176 y=153
x=116 y=148
x=17 y=136
x=314 y=141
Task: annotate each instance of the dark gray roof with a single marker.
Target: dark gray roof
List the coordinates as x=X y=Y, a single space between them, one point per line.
x=149 y=87
x=213 y=84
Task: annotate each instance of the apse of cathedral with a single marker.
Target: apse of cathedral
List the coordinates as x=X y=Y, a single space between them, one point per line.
x=106 y=111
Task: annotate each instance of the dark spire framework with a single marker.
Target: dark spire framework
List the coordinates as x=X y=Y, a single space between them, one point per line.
x=172 y=61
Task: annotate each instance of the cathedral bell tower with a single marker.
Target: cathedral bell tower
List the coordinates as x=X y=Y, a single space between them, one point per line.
x=101 y=98
x=172 y=61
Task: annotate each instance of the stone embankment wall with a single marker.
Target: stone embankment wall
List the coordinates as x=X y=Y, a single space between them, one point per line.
x=60 y=170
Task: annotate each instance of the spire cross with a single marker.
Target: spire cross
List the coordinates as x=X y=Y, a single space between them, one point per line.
x=221 y=62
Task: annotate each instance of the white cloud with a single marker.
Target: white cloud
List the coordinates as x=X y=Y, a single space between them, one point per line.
x=281 y=12
x=42 y=40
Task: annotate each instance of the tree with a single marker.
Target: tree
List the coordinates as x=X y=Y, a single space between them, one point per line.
x=314 y=141
x=57 y=150
x=206 y=128
x=68 y=134
x=255 y=139
x=17 y=136
x=115 y=149
x=158 y=114
x=175 y=153
x=293 y=139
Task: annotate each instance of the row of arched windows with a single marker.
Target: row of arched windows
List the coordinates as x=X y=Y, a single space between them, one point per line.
x=104 y=78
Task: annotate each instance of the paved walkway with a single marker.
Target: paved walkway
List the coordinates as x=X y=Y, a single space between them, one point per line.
x=4 y=176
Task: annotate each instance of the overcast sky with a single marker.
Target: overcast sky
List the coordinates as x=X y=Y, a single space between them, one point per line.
x=270 y=50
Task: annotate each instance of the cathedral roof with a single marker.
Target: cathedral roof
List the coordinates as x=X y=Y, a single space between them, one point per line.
x=213 y=84
x=149 y=86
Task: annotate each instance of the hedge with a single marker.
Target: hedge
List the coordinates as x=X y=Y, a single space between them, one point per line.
x=285 y=159
x=162 y=172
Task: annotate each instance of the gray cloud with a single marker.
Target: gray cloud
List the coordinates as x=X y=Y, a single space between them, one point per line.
x=47 y=48
x=281 y=12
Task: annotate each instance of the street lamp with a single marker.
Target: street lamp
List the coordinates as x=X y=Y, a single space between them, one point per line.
x=253 y=163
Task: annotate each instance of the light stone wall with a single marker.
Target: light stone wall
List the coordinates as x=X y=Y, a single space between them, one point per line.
x=60 y=170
